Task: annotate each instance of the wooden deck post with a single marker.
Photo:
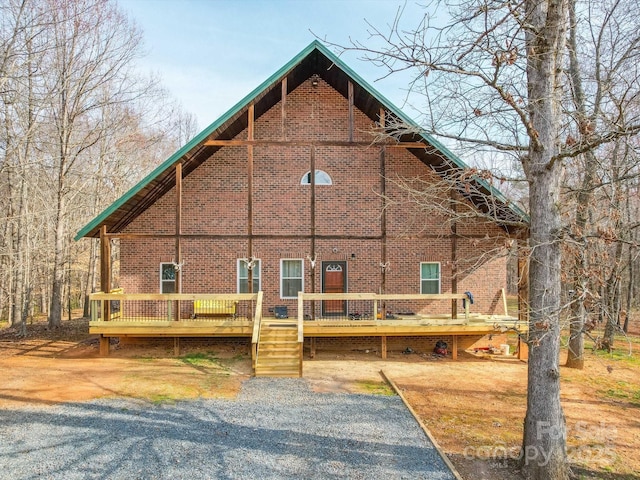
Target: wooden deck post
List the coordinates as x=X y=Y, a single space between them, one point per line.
x=105 y=270
x=523 y=282
x=176 y=346
x=384 y=347
x=454 y=348
x=312 y=347
x=523 y=349
x=454 y=258
x=105 y=344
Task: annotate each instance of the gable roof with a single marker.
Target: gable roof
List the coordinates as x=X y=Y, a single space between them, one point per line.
x=315 y=59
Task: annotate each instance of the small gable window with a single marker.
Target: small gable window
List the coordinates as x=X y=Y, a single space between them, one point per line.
x=322 y=178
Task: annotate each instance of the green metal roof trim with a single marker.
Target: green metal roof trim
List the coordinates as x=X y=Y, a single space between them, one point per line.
x=199 y=138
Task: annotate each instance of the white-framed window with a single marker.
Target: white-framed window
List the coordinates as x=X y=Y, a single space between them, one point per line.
x=322 y=178
x=291 y=277
x=243 y=275
x=167 y=278
x=429 y=277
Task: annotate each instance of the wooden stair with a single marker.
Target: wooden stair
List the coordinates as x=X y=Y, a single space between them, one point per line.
x=279 y=353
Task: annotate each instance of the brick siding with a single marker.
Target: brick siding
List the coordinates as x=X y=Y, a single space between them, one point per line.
x=348 y=215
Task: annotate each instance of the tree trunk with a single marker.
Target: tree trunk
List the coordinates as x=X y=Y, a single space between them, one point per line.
x=55 y=310
x=544 y=441
x=544 y=453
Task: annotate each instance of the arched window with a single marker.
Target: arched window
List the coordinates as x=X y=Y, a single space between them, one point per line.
x=322 y=178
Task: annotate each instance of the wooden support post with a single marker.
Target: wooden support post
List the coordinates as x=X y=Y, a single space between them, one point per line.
x=176 y=346
x=454 y=348
x=384 y=347
x=350 y=95
x=383 y=220
x=250 y=129
x=283 y=110
x=178 y=252
x=105 y=271
x=523 y=282
x=523 y=349
x=504 y=302
x=312 y=347
x=104 y=346
x=454 y=258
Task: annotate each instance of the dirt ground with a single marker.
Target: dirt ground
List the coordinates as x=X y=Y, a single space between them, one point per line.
x=474 y=407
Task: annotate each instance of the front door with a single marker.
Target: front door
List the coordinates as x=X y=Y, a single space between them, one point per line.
x=334 y=280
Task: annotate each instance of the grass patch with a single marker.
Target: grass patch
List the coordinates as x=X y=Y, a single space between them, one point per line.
x=162 y=399
x=622 y=391
x=375 y=388
x=620 y=354
x=201 y=359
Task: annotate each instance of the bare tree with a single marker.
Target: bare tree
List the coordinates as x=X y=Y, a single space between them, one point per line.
x=78 y=127
x=494 y=81
x=90 y=65
x=603 y=52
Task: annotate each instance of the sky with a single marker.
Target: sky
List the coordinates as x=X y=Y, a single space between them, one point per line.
x=210 y=54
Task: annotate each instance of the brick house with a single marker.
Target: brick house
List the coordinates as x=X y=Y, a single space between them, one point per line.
x=288 y=192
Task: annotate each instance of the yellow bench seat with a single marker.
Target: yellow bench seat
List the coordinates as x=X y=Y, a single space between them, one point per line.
x=213 y=308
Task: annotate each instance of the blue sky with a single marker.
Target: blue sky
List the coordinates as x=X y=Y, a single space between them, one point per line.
x=211 y=53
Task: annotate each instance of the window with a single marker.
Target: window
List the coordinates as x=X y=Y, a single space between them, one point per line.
x=429 y=277
x=167 y=278
x=291 y=272
x=243 y=276
x=322 y=178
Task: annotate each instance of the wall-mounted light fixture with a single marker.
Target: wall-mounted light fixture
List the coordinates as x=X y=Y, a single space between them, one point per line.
x=312 y=261
x=353 y=256
x=314 y=80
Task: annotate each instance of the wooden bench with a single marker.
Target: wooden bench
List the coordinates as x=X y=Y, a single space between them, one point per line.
x=215 y=308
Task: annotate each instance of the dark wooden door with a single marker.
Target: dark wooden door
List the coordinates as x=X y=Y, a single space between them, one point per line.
x=334 y=280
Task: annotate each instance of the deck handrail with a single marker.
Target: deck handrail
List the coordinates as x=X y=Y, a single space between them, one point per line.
x=300 y=329
x=173 y=296
x=101 y=302
x=377 y=297
x=255 y=337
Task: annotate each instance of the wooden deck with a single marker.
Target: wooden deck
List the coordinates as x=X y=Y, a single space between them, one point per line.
x=124 y=319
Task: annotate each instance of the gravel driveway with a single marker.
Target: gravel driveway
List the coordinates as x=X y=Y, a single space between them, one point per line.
x=276 y=428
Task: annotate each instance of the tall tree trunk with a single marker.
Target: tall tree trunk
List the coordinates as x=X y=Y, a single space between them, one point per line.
x=55 y=310
x=544 y=440
x=575 y=357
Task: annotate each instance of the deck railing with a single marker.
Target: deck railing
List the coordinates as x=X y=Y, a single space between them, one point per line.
x=144 y=307
x=255 y=337
x=372 y=306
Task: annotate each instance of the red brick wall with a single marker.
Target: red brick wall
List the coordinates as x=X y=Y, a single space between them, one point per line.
x=348 y=220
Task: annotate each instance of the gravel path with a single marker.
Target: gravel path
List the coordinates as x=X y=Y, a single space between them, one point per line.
x=276 y=428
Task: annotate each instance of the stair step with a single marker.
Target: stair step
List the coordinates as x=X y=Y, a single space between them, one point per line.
x=278 y=342
x=279 y=351
x=276 y=371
